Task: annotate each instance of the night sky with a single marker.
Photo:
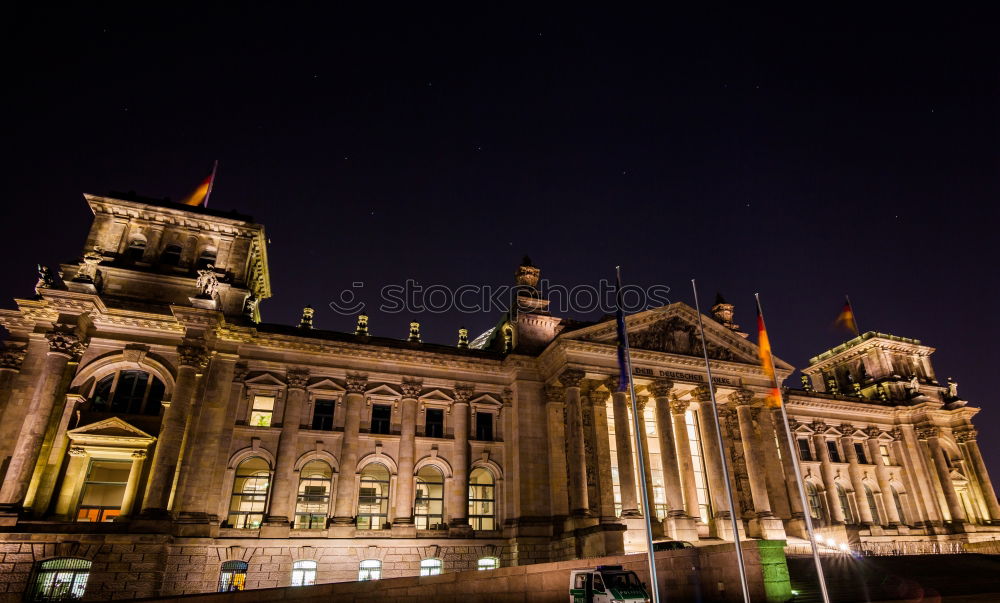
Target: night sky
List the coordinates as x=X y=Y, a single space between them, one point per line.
x=804 y=156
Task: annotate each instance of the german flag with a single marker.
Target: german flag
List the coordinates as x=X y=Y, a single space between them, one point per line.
x=200 y=195
x=767 y=362
x=846 y=318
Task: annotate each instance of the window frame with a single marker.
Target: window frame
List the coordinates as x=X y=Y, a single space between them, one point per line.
x=492 y=563
x=381 y=500
x=373 y=571
x=271 y=413
x=76 y=588
x=492 y=424
x=162 y=260
x=230 y=513
x=303 y=569
x=859 y=451
x=476 y=520
x=388 y=418
x=315 y=521
x=332 y=416
x=426 y=519
x=237 y=574
x=429 y=565
x=427 y=412
x=102 y=516
x=833 y=450
x=805 y=453
x=144 y=408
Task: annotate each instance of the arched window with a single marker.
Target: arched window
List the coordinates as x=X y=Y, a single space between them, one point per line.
x=488 y=563
x=136 y=250
x=313 y=503
x=872 y=506
x=171 y=255
x=128 y=392
x=303 y=573
x=233 y=576
x=373 y=497
x=429 y=504
x=62 y=579
x=899 y=504
x=250 y=488
x=430 y=567
x=371 y=569
x=845 y=506
x=205 y=259
x=815 y=505
x=482 y=510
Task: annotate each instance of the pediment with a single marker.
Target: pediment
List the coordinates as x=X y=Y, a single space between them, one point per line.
x=436 y=395
x=382 y=390
x=326 y=385
x=674 y=329
x=111 y=429
x=265 y=379
x=486 y=399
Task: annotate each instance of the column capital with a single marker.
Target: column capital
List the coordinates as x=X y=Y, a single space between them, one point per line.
x=873 y=432
x=597 y=396
x=411 y=387
x=555 y=393
x=661 y=387
x=77 y=452
x=63 y=340
x=925 y=432
x=571 y=377
x=193 y=356
x=507 y=395
x=847 y=430
x=741 y=397
x=819 y=427
x=640 y=402
x=701 y=393
x=896 y=434
x=12 y=357
x=357 y=383
x=678 y=406
x=297 y=378
x=463 y=391
x=966 y=435
x=139 y=454
x=612 y=383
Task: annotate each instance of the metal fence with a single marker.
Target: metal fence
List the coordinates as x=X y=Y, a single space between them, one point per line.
x=882 y=549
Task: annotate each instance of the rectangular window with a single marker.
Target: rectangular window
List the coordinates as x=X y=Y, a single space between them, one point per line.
x=804 y=453
x=323 y=415
x=262 y=410
x=859 y=449
x=103 y=491
x=434 y=423
x=381 y=418
x=831 y=446
x=484 y=426
x=883 y=451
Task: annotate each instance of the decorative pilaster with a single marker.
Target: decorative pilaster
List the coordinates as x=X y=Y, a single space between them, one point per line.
x=285 y=486
x=623 y=447
x=65 y=346
x=76 y=470
x=602 y=454
x=967 y=439
x=929 y=435
x=458 y=501
x=826 y=468
x=354 y=399
x=407 y=452
x=576 y=456
x=192 y=359
x=854 y=470
x=132 y=485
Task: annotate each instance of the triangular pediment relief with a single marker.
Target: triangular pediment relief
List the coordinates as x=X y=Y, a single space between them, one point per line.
x=803 y=429
x=486 y=399
x=112 y=428
x=265 y=379
x=326 y=385
x=382 y=390
x=674 y=329
x=956 y=476
x=436 y=395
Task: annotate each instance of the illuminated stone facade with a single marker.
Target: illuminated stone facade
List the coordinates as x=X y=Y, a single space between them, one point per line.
x=156 y=431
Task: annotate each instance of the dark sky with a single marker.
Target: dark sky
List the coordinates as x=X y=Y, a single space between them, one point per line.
x=803 y=155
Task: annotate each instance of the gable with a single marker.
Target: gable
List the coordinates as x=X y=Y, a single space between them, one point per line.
x=111 y=430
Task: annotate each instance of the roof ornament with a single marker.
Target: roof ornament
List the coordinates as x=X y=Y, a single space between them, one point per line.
x=414 y=332
x=307 y=318
x=463 y=338
x=362 y=327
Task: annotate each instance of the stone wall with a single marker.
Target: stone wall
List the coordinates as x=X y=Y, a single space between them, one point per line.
x=706 y=573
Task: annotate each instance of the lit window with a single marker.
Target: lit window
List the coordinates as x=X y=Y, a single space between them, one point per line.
x=429 y=504
x=59 y=580
x=128 y=392
x=484 y=426
x=482 y=514
x=103 y=490
x=323 y=415
x=373 y=497
x=883 y=451
x=381 y=418
x=250 y=488
x=430 y=567
x=233 y=576
x=371 y=569
x=262 y=411
x=488 y=563
x=303 y=573
x=434 y=423
x=313 y=502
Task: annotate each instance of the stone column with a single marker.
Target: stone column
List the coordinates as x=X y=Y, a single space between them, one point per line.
x=407 y=453
x=931 y=435
x=64 y=346
x=354 y=399
x=882 y=476
x=826 y=467
x=788 y=469
x=689 y=487
x=764 y=525
x=676 y=499
x=854 y=471
x=623 y=448
x=602 y=451
x=132 y=485
x=76 y=471
x=708 y=426
x=192 y=360
x=283 y=493
x=458 y=501
x=918 y=485
x=967 y=439
x=576 y=454
x=649 y=504
x=555 y=424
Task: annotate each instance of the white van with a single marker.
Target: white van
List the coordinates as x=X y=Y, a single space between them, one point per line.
x=606 y=584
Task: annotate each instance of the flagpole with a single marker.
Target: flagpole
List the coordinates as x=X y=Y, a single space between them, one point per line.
x=648 y=512
x=722 y=454
x=211 y=182
x=854 y=315
x=798 y=472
